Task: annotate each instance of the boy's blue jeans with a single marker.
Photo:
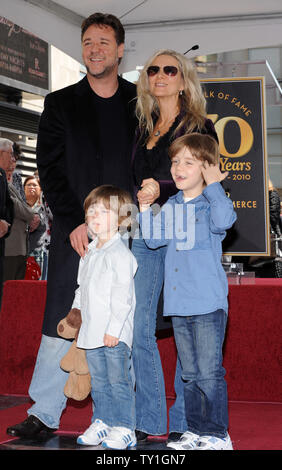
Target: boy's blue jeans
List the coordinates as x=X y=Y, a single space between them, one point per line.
x=199 y=340
x=111 y=385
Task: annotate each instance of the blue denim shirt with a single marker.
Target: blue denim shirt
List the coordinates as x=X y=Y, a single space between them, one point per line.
x=195 y=281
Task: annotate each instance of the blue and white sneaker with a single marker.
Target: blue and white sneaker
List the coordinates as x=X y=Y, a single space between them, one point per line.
x=188 y=441
x=95 y=434
x=119 y=438
x=214 y=443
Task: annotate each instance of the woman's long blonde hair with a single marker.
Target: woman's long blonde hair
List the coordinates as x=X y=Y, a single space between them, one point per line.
x=193 y=103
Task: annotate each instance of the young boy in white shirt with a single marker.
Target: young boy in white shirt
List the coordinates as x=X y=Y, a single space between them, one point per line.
x=106 y=298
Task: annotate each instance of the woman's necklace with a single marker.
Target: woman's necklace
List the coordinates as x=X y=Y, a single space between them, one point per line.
x=163 y=127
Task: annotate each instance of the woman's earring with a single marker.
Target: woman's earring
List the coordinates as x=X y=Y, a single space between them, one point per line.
x=180 y=92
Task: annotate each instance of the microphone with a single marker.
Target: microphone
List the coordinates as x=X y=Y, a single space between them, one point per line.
x=193 y=48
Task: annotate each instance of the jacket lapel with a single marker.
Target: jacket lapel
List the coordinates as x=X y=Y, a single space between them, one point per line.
x=85 y=111
x=129 y=99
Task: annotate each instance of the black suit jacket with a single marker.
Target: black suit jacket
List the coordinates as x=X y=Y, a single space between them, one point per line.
x=6 y=208
x=6 y=213
x=69 y=164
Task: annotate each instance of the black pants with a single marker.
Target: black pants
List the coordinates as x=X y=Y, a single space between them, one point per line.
x=14 y=267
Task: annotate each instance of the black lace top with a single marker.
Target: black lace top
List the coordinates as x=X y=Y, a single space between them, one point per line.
x=155 y=163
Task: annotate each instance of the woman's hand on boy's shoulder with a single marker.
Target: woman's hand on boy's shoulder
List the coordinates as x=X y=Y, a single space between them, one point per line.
x=212 y=174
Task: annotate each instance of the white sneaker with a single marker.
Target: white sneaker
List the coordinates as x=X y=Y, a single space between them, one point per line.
x=119 y=438
x=214 y=443
x=188 y=441
x=95 y=434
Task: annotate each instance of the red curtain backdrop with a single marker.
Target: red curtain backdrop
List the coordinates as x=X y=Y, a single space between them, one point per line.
x=252 y=349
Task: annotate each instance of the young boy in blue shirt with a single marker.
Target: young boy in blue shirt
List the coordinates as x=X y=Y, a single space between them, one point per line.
x=193 y=224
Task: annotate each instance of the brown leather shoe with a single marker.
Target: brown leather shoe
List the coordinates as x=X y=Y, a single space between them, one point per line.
x=30 y=427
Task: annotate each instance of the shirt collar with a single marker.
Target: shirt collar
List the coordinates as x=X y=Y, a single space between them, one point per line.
x=92 y=245
x=179 y=198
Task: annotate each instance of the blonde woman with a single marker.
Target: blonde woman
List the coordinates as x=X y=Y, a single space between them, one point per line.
x=170 y=103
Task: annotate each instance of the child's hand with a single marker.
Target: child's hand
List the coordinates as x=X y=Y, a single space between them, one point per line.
x=110 y=341
x=148 y=194
x=212 y=174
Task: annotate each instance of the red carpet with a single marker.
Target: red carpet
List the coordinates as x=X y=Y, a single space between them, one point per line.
x=253 y=426
x=252 y=358
x=256 y=426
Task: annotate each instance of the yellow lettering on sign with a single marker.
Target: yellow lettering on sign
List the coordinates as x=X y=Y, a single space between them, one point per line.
x=245 y=204
x=246 y=135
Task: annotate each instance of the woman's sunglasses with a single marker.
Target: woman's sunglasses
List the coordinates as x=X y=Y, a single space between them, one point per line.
x=169 y=70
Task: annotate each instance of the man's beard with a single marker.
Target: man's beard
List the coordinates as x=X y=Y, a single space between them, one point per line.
x=104 y=73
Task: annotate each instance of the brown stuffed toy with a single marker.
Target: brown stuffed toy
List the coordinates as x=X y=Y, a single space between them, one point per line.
x=78 y=385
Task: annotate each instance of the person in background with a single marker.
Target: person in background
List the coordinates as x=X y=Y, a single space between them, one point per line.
x=39 y=242
x=275 y=221
x=170 y=103
x=192 y=224
x=25 y=220
x=32 y=191
x=16 y=177
x=270 y=266
x=6 y=203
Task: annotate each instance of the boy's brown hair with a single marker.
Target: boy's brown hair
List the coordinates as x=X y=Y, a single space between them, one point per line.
x=113 y=198
x=202 y=146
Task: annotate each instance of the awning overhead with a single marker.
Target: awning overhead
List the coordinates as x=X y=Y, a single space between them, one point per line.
x=217 y=26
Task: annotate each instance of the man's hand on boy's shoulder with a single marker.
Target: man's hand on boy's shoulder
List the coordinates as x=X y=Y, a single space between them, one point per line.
x=212 y=174
x=79 y=239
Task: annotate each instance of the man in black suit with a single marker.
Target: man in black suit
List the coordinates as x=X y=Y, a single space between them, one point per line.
x=85 y=138
x=6 y=203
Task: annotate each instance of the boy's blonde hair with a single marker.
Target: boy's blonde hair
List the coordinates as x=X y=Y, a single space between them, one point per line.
x=202 y=146
x=113 y=198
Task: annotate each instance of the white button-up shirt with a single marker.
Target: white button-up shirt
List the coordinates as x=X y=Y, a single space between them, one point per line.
x=106 y=294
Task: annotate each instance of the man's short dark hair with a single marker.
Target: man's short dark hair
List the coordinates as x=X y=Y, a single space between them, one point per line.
x=105 y=19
